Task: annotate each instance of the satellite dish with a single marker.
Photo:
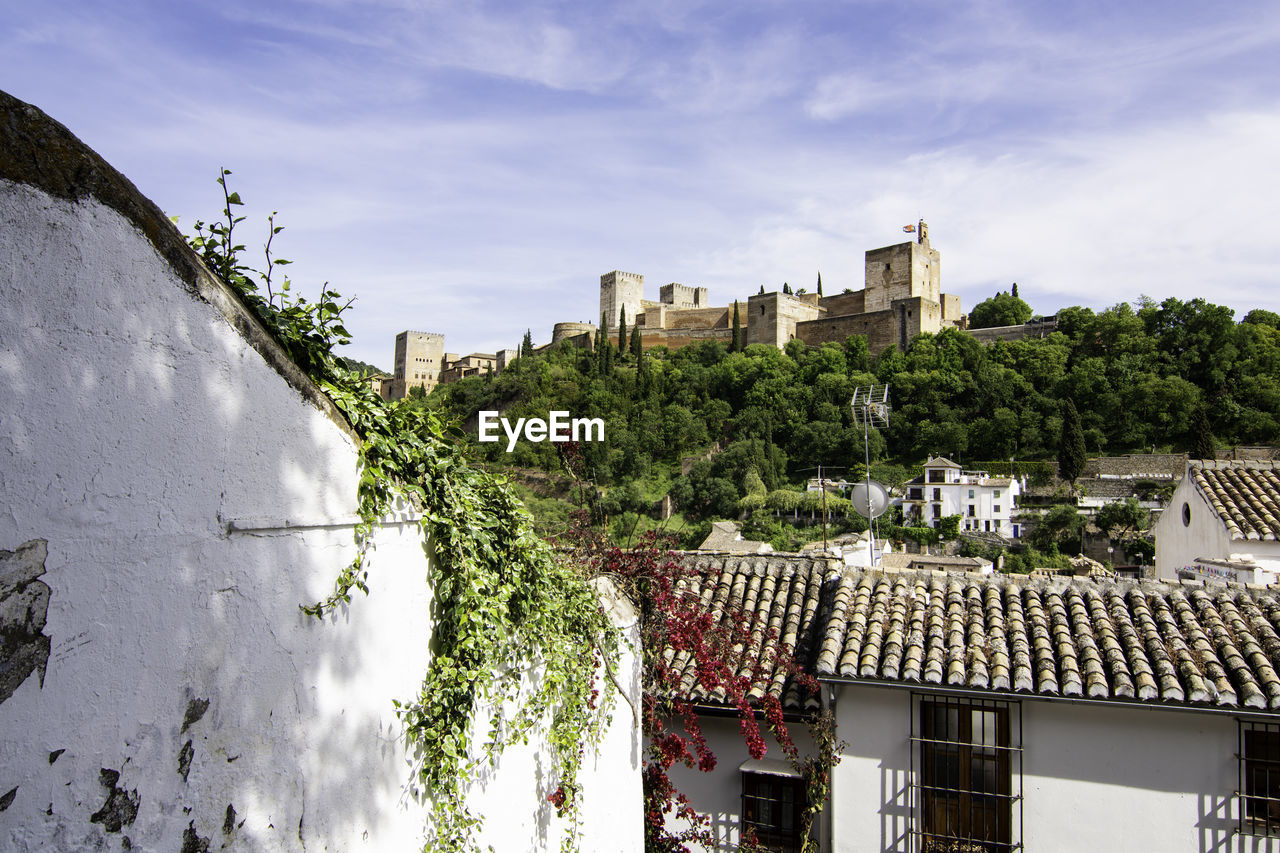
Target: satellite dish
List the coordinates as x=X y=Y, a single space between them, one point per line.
x=870 y=499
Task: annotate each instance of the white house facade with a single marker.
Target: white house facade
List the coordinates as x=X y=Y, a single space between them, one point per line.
x=1223 y=521
x=985 y=504
x=1001 y=713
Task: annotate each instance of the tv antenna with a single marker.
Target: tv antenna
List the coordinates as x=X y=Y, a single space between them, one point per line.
x=870 y=406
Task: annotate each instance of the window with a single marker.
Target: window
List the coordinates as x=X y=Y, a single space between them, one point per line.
x=967 y=791
x=996 y=507
x=1259 y=812
x=937 y=494
x=936 y=475
x=997 y=494
x=973 y=510
x=772 y=803
x=971 y=494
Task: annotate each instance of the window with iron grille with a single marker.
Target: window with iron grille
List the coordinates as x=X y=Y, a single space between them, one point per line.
x=771 y=809
x=967 y=786
x=1259 y=791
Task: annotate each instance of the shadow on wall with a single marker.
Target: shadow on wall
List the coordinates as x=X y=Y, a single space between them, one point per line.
x=896 y=814
x=193 y=489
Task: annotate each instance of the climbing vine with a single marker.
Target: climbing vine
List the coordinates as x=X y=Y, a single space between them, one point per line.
x=688 y=648
x=517 y=630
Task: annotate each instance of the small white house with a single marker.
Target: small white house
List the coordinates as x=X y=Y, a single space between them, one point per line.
x=1223 y=521
x=1001 y=713
x=985 y=504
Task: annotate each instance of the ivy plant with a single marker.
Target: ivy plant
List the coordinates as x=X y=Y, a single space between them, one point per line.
x=520 y=643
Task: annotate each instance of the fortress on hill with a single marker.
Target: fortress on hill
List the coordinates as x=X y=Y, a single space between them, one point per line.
x=902 y=298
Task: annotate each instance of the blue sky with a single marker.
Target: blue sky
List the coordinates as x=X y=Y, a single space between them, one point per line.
x=472 y=168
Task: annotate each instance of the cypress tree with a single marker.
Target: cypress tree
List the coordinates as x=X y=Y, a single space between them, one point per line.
x=1071 y=453
x=622 y=329
x=736 y=346
x=1014 y=292
x=1202 y=444
x=636 y=349
x=786 y=288
x=526 y=346
x=820 y=282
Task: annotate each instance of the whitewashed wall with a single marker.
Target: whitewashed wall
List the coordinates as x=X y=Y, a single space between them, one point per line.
x=139 y=427
x=1094 y=777
x=180 y=491
x=718 y=794
x=1179 y=544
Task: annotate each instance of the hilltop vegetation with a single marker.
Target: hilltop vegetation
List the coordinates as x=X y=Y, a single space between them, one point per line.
x=1141 y=379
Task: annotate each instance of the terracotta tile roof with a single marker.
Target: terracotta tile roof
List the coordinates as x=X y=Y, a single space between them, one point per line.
x=1215 y=645
x=1244 y=494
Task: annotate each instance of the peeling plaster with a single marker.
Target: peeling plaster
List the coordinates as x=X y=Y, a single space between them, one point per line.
x=24 y=606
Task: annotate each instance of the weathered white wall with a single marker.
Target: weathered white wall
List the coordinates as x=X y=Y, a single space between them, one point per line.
x=191 y=499
x=138 y=427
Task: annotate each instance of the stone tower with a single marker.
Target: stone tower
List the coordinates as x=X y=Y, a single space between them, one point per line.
x=621 y=290
x=911 y=269
x=419 y=360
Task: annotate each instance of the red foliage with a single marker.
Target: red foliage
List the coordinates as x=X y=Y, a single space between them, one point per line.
x=687 y=650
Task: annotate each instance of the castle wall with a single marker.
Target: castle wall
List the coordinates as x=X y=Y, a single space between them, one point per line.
x=679 y=295
x=699 y=318
x=844 y=303
x=894 y=326
x=566 y=331
x=951 y=309
x=772 y=317
x=676 y=338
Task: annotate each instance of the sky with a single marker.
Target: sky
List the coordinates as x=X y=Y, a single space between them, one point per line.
x=472 y=168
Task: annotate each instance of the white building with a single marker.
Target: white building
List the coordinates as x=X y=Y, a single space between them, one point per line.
x=172 y=487
x=1000 y=713
x=1223 y=521
x=984 y=503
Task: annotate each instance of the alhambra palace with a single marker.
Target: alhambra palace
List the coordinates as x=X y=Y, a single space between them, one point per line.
x=902 y=298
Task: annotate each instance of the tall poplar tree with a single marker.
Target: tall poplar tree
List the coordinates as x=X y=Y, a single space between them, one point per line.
x=1071 y=453
x=736 y=346
x=622 y=329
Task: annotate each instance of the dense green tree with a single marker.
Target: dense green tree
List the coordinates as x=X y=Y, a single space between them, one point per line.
x=1071 y=451
x=736 y=346
x=1122 y=520
x=819 y=282
x=622 y=330
x=526 y=345
x=1202 y=443
x=1003 y=309
x=1060 y=526
x=1262 y=317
